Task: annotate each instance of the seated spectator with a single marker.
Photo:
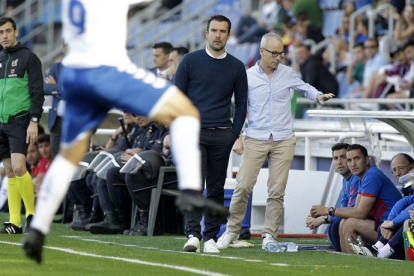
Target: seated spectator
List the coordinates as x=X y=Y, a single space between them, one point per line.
x=118 y=140
x=349 y=8
x=288 y=31
x=267 y=22
x=45 y=152
x=404 y=29
x=376 y=197
x=311 y=9
x=79 y=190
x=355 y=69
x=374 y=61
x=390 y=243
x=306 y=29
x=361 y=34
x=343 y=31
x=388 y=76
x=314 y=72
x=405 y=85
x=111 y=196
x=350 y=186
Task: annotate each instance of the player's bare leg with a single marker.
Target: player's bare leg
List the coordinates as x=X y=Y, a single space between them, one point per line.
x=354 y=227
x=54 y=188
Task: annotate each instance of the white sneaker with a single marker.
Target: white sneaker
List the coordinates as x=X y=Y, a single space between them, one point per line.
x=266 y=239
x=192 y=245
x=210 y=246
x=226 y=239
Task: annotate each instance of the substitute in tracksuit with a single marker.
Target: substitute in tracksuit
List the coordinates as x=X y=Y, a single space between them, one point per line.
x=21 y=100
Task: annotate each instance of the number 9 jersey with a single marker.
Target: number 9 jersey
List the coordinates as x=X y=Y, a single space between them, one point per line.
x=96 y=32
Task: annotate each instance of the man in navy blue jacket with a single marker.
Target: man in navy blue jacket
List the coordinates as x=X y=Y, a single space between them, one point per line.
x=54 y=89
x=210 y=77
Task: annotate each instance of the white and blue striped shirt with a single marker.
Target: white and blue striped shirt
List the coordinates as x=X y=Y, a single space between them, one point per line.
x=269 y=102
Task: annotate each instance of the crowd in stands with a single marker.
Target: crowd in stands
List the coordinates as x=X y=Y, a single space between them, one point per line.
x=377 y=66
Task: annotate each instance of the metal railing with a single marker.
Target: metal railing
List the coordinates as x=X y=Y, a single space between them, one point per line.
x=347 y=103
x=352 y=24
x=331 y=46
x=375 y=12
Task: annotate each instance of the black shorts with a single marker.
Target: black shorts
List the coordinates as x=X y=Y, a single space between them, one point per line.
x=13 y=136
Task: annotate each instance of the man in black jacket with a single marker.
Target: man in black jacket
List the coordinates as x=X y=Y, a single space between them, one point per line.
x=21 y=100
x=314 y=72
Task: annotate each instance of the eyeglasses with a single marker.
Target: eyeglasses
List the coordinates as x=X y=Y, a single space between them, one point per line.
x=275 y=53
x=398 y=169
x=371 y=46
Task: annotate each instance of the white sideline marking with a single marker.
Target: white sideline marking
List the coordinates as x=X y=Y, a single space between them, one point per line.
x=182 y=268
x=166 y=250
x=329 y=266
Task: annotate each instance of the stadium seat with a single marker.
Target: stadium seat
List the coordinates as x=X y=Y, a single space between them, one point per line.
x=162 y=188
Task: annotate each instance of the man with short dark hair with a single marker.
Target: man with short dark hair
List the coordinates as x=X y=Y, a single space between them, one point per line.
x=21 y=83
x=390 y=243
x=160 y=54
x=376 y=197
x=174 y=59
x=350 y=185
x=210 y=77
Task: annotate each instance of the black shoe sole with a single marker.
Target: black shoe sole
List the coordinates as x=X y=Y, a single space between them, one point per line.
x=33 y=245
x=105 y=231
x=190 y=248
x=190 y=203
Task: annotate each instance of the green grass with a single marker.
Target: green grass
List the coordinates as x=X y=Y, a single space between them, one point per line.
x=168 y=250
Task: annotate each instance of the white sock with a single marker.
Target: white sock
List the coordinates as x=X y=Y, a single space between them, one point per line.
x=385 y=252
x=185 y=137
x=54 y=188
x=379 y=245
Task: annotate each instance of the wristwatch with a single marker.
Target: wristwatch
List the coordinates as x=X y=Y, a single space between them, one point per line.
x=34 y=119
x=327 y=218
x=331 y=211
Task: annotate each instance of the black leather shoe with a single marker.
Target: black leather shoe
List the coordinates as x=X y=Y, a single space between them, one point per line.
x=33 y=245
x=188 y=201
x=110 y=225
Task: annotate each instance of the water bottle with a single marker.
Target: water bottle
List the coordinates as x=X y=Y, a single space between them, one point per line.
x=275 y=247
x=291 y=247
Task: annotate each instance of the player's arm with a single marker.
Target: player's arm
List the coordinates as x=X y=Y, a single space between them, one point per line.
x=34 y=71
x=51 y=87
x=361 y=210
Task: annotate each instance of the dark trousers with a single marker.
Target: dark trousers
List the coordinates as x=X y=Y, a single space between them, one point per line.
x=55 y=136
x=79 y=194
x=91 y=183
x=396 y=243
x=117 y=192
x=103 y=195
x=333 y=235
x=215 y=146
x=143 y=197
